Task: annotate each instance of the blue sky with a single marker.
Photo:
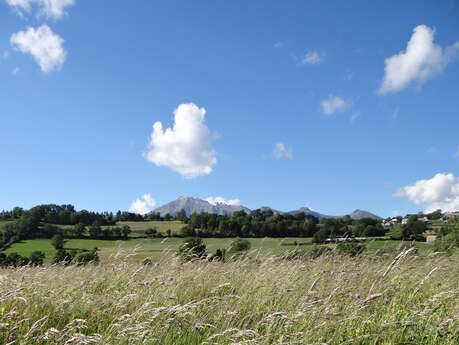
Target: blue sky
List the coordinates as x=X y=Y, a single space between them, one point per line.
x=317 y=103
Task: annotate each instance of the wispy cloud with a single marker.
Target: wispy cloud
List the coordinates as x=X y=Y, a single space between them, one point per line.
x=278 y=45
x=333 y=104
x=54 y=9
x=281 y=151
x=355 y=116
x=311 y=58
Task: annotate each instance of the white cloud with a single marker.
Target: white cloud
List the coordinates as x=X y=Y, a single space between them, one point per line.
x=422 y=59
x=143 y=205
x=311 y=58
x=439 y=192
x=214 y=200
x=278 y=45
x=55 y=9
x=20 y=6
x=186 y=147
x=43 y=44
x=332 y=104
x=355 y=116
x=16 y=71
x=281 y=151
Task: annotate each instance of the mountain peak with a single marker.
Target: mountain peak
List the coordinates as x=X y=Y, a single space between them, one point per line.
x=359 y=214
x=195 y=205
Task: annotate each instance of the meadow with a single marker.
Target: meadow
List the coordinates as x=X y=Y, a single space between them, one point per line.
x=153 y=248
x=404 y=298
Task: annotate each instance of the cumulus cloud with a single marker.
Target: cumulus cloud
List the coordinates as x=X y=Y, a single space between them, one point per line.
x=55 y=9
x=422 y=59
x=143 y=205
x=311 y=58
x=281 y=151
x=186 y=147
x=43 y=44
x=333 y=104
x=439 y=192
x=214 y=200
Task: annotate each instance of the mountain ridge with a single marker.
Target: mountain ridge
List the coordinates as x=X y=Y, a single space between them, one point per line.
x=196 y=205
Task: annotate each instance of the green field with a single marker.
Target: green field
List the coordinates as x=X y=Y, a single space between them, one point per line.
x=146 y=247
x=138 y=228
x=140 y=248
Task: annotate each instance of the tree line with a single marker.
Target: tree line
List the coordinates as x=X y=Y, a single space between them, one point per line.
x=265 y=223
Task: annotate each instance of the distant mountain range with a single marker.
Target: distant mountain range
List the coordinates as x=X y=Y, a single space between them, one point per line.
x=196 y=205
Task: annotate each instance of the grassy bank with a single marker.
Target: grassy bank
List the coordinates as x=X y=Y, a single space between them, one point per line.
x=330 y=300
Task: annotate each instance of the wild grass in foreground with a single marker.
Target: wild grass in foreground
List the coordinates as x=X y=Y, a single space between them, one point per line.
x=330 y=300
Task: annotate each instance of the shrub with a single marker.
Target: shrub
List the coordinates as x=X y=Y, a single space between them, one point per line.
x=318 y=251
x=88 y=257
x=192 y=248
x=188 y=231
x=350 y=248
x=62 y=257
x=15 y=259
x=58 y=241
x=36 y=258
x=151 y=232
x=219 y=255
x=239 y=245
x=320 y=236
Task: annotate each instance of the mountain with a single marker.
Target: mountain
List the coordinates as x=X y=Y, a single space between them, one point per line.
x=359 y=214
x=196 y=205
x=267 y=209
x=307 y=211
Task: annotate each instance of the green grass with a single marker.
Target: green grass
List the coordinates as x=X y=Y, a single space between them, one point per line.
x=146 y=247
x=390 y=246
x=25 y=248
x=330 y=300
x=138 y=228
x=141 y=248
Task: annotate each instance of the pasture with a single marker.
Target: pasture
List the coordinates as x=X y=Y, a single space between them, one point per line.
x=141 y=248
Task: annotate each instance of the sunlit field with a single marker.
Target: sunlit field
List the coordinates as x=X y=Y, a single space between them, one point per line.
x=408 y=299
x=153 y=248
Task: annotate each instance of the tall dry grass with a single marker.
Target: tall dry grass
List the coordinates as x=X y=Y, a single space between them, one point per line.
x=330 y=300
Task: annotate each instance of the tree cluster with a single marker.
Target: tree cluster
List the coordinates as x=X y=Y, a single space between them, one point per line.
x=255 y=224
x=16 y=260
